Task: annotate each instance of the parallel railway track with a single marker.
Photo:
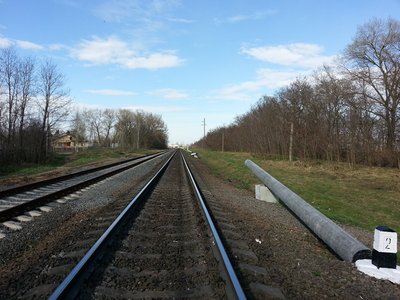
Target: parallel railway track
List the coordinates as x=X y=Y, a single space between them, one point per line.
x=162 y=245
x=19 y=200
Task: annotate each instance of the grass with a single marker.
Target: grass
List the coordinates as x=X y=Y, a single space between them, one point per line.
x=96 y=154
x=361 y=196
x=32 y=168
x=71 y=160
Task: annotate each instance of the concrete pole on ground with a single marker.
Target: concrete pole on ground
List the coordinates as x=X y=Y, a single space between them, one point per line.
x=343 y=244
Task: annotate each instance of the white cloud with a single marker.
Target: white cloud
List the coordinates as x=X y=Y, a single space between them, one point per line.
x=158 y=109
x=102 y=51
x=181 y=20
x=267 y=80
x=117 y=11
x=161 y=6
x=57 y=47
x=153 y=61
x=5 y=43
x=123 y=10
x=28 y=45
x=273 y=79
x=294 y=55
x=143 y=20
x=113 y=93
x=169 y=94
x=112 y=50
x=258 y=15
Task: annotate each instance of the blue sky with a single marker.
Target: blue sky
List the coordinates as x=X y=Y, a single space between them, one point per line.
x=185 y=60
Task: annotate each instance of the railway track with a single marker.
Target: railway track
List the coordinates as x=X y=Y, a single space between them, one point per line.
x=162 y=245
x=27 y=201
x=164 y=248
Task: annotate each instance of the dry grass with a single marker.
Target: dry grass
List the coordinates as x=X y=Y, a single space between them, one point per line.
x=357 y=195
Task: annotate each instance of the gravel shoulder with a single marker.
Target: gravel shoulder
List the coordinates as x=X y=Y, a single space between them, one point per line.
x=297 y=262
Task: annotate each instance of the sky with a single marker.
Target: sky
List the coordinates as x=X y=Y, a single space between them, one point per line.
x=186 y=60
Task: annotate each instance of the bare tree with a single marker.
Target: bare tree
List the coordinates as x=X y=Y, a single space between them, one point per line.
x=95 y=119
x=25 y=125
x=100 y=125
x=78 y=128
x=140 y=129
x=154 y=131
x=2 y=112
x=334 y=94
x=373 y=61
x=109 y=119
x=26 y=69
x=54 y=100
x=125 y=127
x=10 y=78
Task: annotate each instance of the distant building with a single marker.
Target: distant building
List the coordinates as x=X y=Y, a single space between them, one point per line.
x=67 y=142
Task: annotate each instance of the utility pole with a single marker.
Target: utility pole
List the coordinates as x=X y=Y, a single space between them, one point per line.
x=291 y=141
x=204 y=131
x=223 y=139
x=138 y=134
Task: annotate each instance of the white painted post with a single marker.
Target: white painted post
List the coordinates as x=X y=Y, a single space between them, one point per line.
x=384 y=252
x=384 y=255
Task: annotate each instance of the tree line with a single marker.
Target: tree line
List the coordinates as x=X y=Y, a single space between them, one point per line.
x=348 y=111
x=123 y=128
x=33 y=100
x=35 y=105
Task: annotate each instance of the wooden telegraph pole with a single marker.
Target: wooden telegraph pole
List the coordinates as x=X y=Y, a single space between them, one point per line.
x=138 y=134
x=291 y=141
x=223 y=139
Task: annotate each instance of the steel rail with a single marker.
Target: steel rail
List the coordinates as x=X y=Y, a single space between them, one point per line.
x=41 y=200
x=234 y=289
x=34 y=185
x=69 y=288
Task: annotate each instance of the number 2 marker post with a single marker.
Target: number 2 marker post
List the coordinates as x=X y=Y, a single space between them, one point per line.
x=384 y=256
